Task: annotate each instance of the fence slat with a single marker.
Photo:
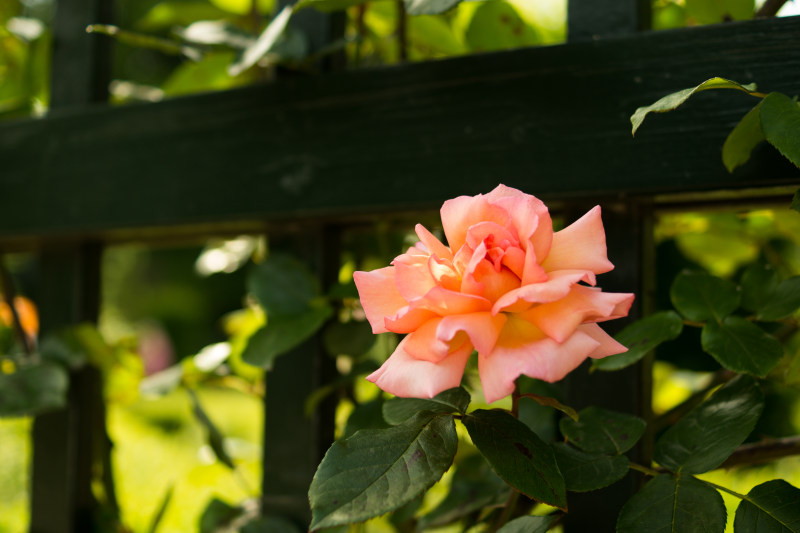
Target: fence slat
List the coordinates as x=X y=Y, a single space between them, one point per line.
x=552 y=120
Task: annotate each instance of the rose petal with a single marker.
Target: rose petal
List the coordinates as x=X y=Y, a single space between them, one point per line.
x=407 y=319
x=482 y=329
x=459 y=214
x=582 y=245
x=425 y=345
x=608 y=345
x=433 y=245
x=407 y=377
x=529 y=216
x=446 y=302
x=555 y=288
x=412 y=275
x=540 y=358
x=532 y=271
x=559 y=319
x=379 y=296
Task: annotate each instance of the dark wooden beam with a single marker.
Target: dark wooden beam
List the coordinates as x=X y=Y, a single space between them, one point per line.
x=551 y=120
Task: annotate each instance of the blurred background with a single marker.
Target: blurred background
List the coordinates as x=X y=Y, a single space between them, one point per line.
x=184 y=411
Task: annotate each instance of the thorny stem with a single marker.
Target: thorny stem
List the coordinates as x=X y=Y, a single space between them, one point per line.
x=9 y=295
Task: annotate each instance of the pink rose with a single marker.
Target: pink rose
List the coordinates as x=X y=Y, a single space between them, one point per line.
x=507 y=287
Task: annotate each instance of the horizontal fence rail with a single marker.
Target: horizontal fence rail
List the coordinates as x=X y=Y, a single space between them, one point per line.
x=553 y=120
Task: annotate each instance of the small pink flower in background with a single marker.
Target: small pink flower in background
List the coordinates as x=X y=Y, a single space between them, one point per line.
x=507 y=286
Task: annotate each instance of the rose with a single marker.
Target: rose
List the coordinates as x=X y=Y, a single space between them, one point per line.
x=507 y=287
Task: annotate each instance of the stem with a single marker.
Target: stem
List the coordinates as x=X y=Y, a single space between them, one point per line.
x=723 y=489
x=515 y=397
x=770 y=8
x=644 y=469
x=763 y=451
x=507 y=510
x=9 y=295
x=402 y=33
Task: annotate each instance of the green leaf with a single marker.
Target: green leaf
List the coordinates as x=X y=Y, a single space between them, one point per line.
x=796 y=201
x=517 y=455
x=366 y=415
x=741 y=346
x=217 y=516
x=673 y=504
x=588 y=471
x=377 y=471
x=714 y=11
x=528 y=524
x=784 y=301
x=603 y=431
x=705 y=437
x=327 y=6
x=429 y=7
x=62 y=348
x=758 y=283
x=700 y=297
x=771 y=507
x=162 y=509
x=780 y=120
x=270 y=524
x=215 y=438
x=283 y=285
x=264 y=44
x=743 y=139
x=496 y=25
x=32 y=390
x=281 y=334
x=673 y=100
x=350 y=338
x=474 y=486
x=168 y=13
x=398 y=410
x=641 y=337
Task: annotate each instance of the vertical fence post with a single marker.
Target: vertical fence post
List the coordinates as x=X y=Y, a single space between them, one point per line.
x=295 y=441
x=628 y=227
x=66 y=447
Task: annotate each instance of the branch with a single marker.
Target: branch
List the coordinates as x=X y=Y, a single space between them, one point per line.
x=761 y=452
x=770 y=8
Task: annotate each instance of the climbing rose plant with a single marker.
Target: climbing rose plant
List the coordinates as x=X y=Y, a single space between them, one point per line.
x=525 y=299
x=507 y=287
